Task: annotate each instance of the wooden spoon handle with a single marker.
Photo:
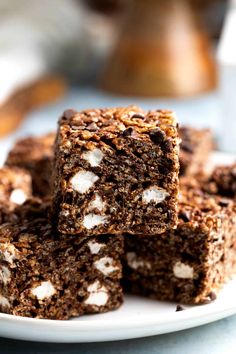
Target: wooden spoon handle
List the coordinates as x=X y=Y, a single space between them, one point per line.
x=23 y=101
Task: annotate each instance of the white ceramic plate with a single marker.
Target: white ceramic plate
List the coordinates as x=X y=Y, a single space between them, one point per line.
x=138 y=317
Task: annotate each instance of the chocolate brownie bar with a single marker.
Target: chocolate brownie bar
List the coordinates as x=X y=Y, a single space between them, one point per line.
x=15 y=189
x=116 y=170
x=223 y=181
x=35 y=154
x=46 y=276
x=195 y=148
x=194 y=261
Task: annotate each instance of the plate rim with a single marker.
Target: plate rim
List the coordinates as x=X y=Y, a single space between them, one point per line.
x=106 y=330
x=197 y=311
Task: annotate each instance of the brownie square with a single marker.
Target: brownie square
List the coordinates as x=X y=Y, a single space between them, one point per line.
x=116 y=170
x=44 y=275
x=223 y=181
x=189 y=264
x=15 y=189
x=35 y=154
x=195 y=148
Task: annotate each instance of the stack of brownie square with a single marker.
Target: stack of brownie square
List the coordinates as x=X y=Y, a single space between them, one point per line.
x=115 y=172
x=35 y=155
x=43 y=273
x=104 y=205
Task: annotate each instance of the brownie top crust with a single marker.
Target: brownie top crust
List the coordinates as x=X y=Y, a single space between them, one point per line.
x=15 y=186
x=223 y=180
x=13 y=232
x=126 y=121
x=195 y=147
x=33 y=208
x=191 y=137
x=32 y=148
x=198 y=207
x=12 y=178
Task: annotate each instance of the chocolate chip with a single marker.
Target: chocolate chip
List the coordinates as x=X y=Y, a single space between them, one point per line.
x=185 y=216
x=164 y=170
x=167 y=145
x=206 y=209
x=138 y=115
x=212 y=296
x=157 y=136
x=179 y=308
x=69 y=113
x=127 y=132
x=224 y=202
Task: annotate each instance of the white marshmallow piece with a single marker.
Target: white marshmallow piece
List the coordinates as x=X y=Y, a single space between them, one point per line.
x=92 y=220
x=4 y=302
x=5 y=275
x=18 y=196
x=135 y=263
x=105 y=265
x=95 y=246
x=8 y=252
x=82 y=181
x=183 y=271
x=44 y=290
x=93 y=157
x=98 y=294
x=154 y=194
x=96 y=203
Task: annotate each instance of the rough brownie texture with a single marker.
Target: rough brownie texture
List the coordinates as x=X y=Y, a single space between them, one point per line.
x=15 y=189
x=195 y=148
x=116 y=170
x=35 y=154
x=194 y=261
x=46 y=276
x=33 y=208
x=223 y=181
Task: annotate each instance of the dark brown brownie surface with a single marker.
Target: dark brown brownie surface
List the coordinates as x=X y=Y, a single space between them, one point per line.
x=116 y=171
x=223 y=181
x=195 y=148
x=46 y=276
x=192 y=262
x=35 y=154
